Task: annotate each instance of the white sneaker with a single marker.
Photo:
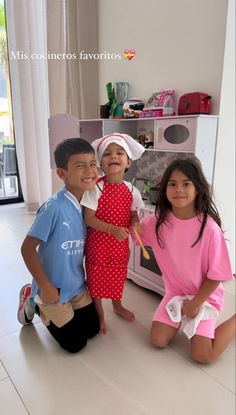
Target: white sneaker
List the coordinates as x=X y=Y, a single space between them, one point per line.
x=25 y=313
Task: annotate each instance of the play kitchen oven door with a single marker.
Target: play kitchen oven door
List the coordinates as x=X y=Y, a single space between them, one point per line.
x=176 y=134
x=149 y=271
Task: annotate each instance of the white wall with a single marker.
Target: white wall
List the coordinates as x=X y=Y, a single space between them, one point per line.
x=224 y=181
x=179 y=44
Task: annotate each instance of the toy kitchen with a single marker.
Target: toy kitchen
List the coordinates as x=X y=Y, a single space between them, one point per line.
x=165 y=138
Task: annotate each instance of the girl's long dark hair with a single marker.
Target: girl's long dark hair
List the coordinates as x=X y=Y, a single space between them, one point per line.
x=204 y=204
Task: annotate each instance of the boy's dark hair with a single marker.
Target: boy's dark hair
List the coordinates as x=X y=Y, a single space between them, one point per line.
x=203 y=203
x=68 y=148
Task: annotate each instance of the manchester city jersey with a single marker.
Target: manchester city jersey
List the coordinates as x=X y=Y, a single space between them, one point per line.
x=59 y=225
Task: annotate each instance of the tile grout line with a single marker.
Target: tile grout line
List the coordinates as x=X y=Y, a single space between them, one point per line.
x=5 y=371
x=9 y=377
x=196 y=365
x=15 y=331
x=219 y=383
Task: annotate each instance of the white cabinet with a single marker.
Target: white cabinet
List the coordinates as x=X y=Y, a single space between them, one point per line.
x=195 y=134
x=192 y=135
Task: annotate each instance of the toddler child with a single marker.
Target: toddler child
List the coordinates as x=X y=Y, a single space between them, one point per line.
x=110 y=210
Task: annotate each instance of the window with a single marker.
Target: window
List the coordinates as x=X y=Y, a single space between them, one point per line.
x=9 y=178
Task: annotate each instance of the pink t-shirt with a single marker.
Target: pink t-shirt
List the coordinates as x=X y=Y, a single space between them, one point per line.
x=184 y=268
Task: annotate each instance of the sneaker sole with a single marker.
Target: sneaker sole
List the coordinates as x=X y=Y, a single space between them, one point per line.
x=21 y=314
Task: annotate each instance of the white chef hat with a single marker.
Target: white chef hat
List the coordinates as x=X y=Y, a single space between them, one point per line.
x=133 y=149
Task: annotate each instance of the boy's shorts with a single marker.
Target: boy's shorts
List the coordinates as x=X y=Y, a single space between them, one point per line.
x=205 y=328
x=59 y=313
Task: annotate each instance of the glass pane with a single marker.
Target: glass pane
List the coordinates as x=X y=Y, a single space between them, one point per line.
x=176 y=134
x=151 y=263
x=9 y=181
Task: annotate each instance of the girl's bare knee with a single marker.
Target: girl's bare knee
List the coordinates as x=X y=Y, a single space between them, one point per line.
x=202 y=350
x=159 y=342
x=162 y=334
x=204 y=357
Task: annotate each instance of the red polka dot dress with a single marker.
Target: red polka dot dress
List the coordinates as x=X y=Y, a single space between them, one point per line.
x=106 y=257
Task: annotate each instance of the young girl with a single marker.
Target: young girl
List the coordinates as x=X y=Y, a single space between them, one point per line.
x=111 y=209
x=186 y=237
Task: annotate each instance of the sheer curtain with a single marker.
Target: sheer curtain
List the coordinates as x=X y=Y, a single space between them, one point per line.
x=73 y=83
x=26 y=30
x=42 y=85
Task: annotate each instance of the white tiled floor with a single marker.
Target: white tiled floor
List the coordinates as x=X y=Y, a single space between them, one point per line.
x=116 y=374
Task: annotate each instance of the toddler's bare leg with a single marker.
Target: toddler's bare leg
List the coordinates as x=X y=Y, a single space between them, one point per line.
x=122 y=311
x=100 y=311
x=205 y=350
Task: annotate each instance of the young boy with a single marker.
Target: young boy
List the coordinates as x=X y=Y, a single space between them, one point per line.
x=53 y=252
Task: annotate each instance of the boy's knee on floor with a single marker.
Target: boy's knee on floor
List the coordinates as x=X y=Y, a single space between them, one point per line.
x=88 y=320
x=70 y=337
x=94 y=327
x=74 y=347
x=93 y=331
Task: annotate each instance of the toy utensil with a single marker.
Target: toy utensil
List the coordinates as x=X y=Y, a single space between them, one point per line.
x=144 y=251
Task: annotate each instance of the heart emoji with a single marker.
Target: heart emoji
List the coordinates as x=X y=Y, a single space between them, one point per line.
x=129 y=54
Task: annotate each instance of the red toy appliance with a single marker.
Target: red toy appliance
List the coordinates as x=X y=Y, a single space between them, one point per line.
x=194 y=103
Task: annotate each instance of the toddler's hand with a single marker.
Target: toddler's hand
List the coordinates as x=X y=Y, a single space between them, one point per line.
x=190 y=308
x=119 y=232
x=137 y=227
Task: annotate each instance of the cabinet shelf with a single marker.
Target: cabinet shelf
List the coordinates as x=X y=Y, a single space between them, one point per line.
x=195 y=134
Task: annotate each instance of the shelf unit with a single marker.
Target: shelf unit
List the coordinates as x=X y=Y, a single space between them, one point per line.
x=194 y=134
